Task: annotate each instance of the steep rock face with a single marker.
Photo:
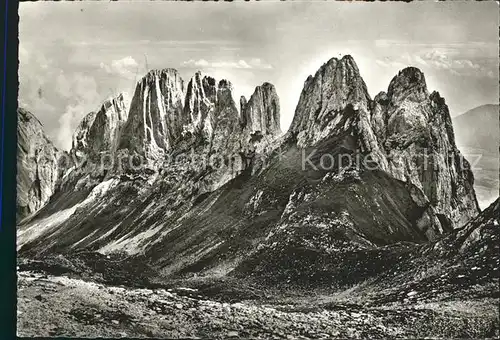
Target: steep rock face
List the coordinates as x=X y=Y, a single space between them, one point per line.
x=225 y=142
x=210 y=149
x=262 y=112
x=214 y=233
x=283 y=221
x=243 y=104
x=212 y=133
x=81 y=135
x=98 y=132
x=406 y=131
x=216 y=132
x=336 y=86
x=414 y=131
x=201 y=96
x=156 y=114
x=94 y=149
x=38 y=166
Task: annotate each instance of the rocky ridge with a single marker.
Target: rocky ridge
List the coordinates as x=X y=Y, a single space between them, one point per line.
x=348 y=251
x=406 y=131
x=98 y=132
x=38 y=168
x=261 y=113
x=215 y=220
x=199 y=143
x=415 y=131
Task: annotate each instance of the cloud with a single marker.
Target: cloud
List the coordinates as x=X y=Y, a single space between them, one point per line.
x=79 y=91
x=67 y=122
x=254 y=63
x=443 y=60
x=61 y=84
x=453 y=48
x=196 y=63
x=77 y=86
x=258 y=63
x=389 y=63
x=125 y=67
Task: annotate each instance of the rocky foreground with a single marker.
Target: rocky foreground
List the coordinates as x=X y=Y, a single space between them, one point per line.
x=447 y=289
x=57 y=305
x=384 y=241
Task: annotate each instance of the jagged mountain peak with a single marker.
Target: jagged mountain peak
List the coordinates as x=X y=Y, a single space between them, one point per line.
x=267 y=85
x=346 y=66
x=98 y=131
x=321 y=111
x=395 y=129
x=201 y=95
x=435 y=96
x=243 y=103
x=380 y=97
x=163 y=72
x=411 y=74
x=155 y=118
x=200 y=76
x=225 y=102
x=416 y=144
x=225 y=84
x=262 y=111
x=282 y=209
x=164 y=113
x=167 y=78
x=408 y=83
x=26 y=116
x=346 y=60
x=119 y=104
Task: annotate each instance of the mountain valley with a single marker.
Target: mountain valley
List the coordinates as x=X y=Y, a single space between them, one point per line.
x=205 y=218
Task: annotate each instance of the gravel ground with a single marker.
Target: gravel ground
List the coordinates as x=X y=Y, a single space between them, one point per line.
x=61 y=306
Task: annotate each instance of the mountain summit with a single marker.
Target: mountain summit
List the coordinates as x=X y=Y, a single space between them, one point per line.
x=416 y=144
x=256 y=210
x=323 y=105
x=407 y=131
x=155 y=118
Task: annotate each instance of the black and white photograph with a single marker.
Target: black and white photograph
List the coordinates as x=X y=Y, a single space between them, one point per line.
x=258 y=170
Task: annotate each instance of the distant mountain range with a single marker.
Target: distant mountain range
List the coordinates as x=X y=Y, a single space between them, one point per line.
x=478 y=128
x=477 y=134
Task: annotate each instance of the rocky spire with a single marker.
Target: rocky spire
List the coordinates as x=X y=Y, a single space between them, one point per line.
x=262 y=112
x=201 y=96
x=243 y=104
x=98 y=132
x=409 y=84
x=415 y=131
x=81 y=134
x=225 y=121
x=164 y=119
x=156 y=114
x=321 y=110
x=406 y=130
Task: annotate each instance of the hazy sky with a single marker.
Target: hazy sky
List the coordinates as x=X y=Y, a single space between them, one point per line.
x=73 y=55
